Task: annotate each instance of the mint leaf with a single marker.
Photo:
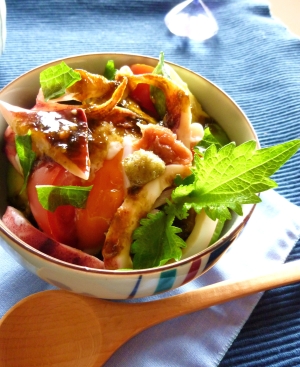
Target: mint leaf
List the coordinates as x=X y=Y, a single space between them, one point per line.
x=52 y=197
x=156 y=241
x=228 y=178
x=56 y=79
x=26 y=156
x=110 y=70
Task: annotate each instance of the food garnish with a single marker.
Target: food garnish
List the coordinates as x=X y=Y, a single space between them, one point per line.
x=56 y=79
x=51 y=197
x=227 y=178
x=26 y=155
x=221 y=181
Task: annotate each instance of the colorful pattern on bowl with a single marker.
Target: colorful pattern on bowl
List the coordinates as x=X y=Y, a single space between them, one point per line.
x=116 y=284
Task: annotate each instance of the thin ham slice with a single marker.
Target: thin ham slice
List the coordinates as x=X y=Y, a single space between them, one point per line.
x=162 y=142
x=178 y=116
x=61 y=135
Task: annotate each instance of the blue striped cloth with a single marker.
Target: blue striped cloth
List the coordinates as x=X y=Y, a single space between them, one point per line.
x=253 y=58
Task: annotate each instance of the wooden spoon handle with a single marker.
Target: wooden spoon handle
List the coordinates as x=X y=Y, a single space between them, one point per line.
x=223 y=292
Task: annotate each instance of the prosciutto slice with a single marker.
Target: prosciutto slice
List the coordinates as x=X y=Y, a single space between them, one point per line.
x=178 y=117
x=162 y=142
x=62 y=135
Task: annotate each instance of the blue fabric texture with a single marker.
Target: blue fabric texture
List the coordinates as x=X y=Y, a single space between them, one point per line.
x=253 y=58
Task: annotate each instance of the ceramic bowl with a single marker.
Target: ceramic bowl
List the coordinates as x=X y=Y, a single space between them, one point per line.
x=136 y=283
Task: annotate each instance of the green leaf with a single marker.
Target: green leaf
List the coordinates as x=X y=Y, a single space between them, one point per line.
x=156 y=241
x=26 y=156
x=213 y=134
x=52 y=197
x=217 y=232
x=157 y=94
x=56 y=79
x=221 y=180
x=110 y=70
x=184 y=181
x=228 y=178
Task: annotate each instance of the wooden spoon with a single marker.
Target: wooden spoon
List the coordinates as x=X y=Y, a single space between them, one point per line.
x=62 y=329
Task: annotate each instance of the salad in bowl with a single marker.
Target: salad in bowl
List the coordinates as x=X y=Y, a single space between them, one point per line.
x=125 y=171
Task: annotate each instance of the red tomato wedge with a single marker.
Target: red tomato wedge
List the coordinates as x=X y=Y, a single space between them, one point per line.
x=60 y=225
x=106 y=196
x=141 y=94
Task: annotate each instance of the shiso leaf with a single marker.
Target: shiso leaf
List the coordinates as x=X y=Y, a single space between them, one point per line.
x=157 y=94
x=161 y=246
x=213 y=134
x=221 y=180
x=233 y=176
x=52 y=197
x=56 y=79
x=26 y=156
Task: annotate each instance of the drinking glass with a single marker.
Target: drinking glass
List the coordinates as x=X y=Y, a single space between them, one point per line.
x=192 y=19
x=2 y=25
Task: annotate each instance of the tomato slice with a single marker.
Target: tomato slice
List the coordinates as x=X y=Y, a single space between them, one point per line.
x=60 y=225
x=141 y=94
x=141 y=68
x=106 y=196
